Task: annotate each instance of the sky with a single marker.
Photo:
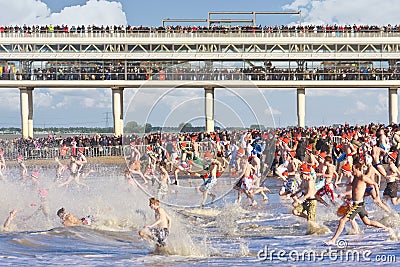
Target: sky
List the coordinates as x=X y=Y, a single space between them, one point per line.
x=71 y=107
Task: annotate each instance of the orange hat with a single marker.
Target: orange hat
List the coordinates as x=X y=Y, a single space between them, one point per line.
x=183 y=144
x=292 y=153
x=35 y=174
x=81 y=149
x=309 y=147
x=285 y=174
x=305 y=169
x=207 y=154
x=322 y=154
x=20 y=157
x=149 y=148
x=393 y=156
x=346 y=167
x=286 y=140
x=344 y=136
x=241 y=151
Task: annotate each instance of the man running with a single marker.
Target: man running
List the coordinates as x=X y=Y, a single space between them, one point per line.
x=160 y=229
x=359 y=185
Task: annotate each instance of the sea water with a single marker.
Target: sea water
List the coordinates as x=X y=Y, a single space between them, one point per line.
x=222 y=234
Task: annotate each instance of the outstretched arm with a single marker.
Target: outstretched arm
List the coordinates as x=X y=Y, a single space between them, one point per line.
x=10 y=218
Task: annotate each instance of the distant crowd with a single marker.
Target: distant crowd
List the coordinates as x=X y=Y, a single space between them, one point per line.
x=181 y=73
x=103 y=30
x=323 y=139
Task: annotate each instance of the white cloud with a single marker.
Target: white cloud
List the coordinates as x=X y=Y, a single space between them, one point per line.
x=381 y=103
x=272 y=111
x=347 y=12
x=317 y=92
x=98 y=12
x=42 y=100
x=9 y=100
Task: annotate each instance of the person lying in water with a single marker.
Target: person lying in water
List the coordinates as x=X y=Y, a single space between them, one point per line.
x=71 y=220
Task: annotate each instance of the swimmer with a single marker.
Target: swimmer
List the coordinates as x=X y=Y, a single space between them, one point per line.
x=160 y=229
x=71 y=220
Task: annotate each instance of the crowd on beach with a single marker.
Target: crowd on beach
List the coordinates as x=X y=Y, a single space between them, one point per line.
x=336 y=166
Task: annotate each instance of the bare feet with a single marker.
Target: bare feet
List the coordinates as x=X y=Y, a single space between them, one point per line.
x=330 y=242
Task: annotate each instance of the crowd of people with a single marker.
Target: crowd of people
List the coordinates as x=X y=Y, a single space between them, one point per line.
x=117 y=72
x=331 y=165
x=128 y=30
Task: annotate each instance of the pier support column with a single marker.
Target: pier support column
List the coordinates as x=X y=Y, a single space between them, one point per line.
x=301 y=107
x=26 y=102
x=118 y=111
x=393 y=105
x=209 y=109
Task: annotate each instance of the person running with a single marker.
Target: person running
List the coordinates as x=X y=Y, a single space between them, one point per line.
x=160 y=229
x=245 y=184
x=207 y=187
x=370 y=190
x=306 y=205
x=134 y=162
x=329 y=173
x=43 y=206
x=24 y=170
x=359 y=185
x=163 y=182
x=377 y=154
x=74 y=173
x=61 y=168
x=292 y=182
x=393 y=174
x=2 y=166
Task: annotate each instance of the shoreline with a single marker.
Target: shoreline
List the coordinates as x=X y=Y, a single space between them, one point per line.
x=105 y=160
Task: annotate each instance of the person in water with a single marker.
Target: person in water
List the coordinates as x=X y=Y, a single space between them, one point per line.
x=359 y=184
x=71 y=220
x=159 y=230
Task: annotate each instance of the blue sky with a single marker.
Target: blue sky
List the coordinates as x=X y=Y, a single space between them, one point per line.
x=66 y=107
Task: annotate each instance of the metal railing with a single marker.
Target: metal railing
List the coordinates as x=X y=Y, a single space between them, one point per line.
x=234 y=33
x=217 y=75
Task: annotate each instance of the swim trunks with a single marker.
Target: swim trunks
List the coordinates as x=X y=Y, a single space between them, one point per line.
x=208 y=185
x=368 y=191
x=159 y=235
x=391 y=189
x=327 y=189
x=247 y=184
x=357 y=208
x=292 y=185
x=310 y=206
